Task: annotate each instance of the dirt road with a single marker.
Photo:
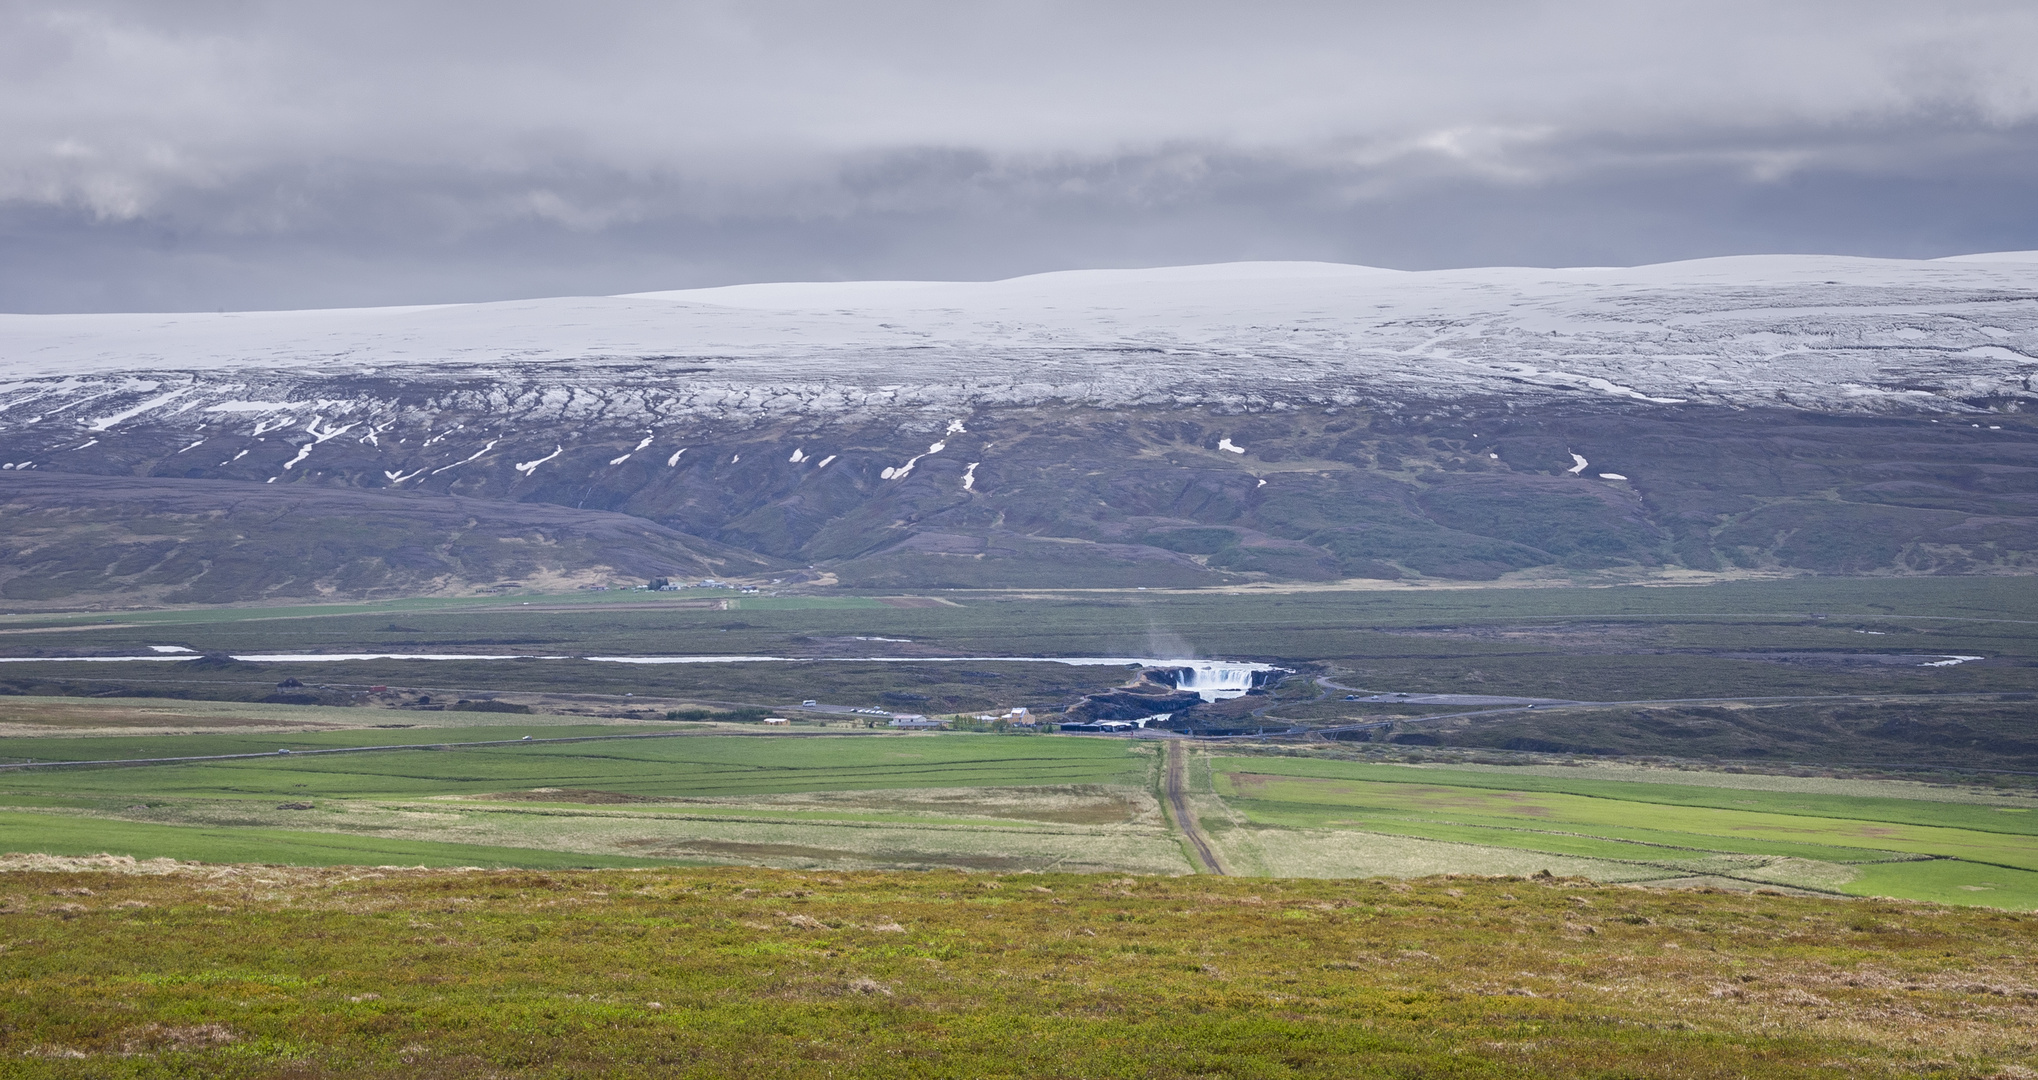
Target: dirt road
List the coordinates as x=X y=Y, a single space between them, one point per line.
x=1178 y=805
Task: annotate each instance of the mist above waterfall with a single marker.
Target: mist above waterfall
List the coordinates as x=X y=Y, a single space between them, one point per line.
x=1163 y=642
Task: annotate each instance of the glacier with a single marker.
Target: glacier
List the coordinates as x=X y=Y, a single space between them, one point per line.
x=1817 y=332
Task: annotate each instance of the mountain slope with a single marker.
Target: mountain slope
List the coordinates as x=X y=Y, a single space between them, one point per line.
x=1165 y=427
x=197 y=541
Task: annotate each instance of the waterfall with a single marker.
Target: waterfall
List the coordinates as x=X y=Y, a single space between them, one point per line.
x=1214 y=680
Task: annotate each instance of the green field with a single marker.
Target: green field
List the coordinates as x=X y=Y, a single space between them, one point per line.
x=680 y=766
x=875 y=799
x=985 y=802
x=1864 y=845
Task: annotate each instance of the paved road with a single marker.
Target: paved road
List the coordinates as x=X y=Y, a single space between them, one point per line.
x=1178 y=802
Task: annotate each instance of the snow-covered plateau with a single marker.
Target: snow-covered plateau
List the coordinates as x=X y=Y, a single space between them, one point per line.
x=1819 y=332
x=1172 y=427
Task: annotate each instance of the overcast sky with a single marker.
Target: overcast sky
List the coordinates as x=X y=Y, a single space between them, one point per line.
x=199 y=154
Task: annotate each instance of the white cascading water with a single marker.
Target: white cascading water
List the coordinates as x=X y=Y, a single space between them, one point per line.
x=1216 y=680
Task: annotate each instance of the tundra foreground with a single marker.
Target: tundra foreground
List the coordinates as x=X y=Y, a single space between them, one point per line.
x=113 y=967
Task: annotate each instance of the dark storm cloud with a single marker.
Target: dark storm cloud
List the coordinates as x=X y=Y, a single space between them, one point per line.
x=240 y=153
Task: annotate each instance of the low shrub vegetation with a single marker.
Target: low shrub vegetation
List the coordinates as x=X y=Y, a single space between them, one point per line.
x=160 y=969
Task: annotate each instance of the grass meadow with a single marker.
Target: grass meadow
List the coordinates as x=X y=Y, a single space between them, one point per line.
x=1919 y=847
x=868 y=800
x=673 y=766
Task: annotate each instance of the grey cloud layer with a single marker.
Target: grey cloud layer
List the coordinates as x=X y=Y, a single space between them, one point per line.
x=264 y=153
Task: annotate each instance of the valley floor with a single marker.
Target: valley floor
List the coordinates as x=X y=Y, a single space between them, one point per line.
x=580 y=794
x=1741 y=736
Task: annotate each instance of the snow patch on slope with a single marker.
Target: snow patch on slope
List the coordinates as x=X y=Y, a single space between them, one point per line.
x=529 y=467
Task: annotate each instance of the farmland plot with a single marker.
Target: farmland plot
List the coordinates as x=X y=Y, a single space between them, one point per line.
x=1356 y=819
x=960 y=801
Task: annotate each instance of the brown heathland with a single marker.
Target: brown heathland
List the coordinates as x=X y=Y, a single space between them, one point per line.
x=272 y=971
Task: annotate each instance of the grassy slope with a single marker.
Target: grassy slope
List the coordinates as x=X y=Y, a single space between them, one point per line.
x=683 y=973
x=1346 y=494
